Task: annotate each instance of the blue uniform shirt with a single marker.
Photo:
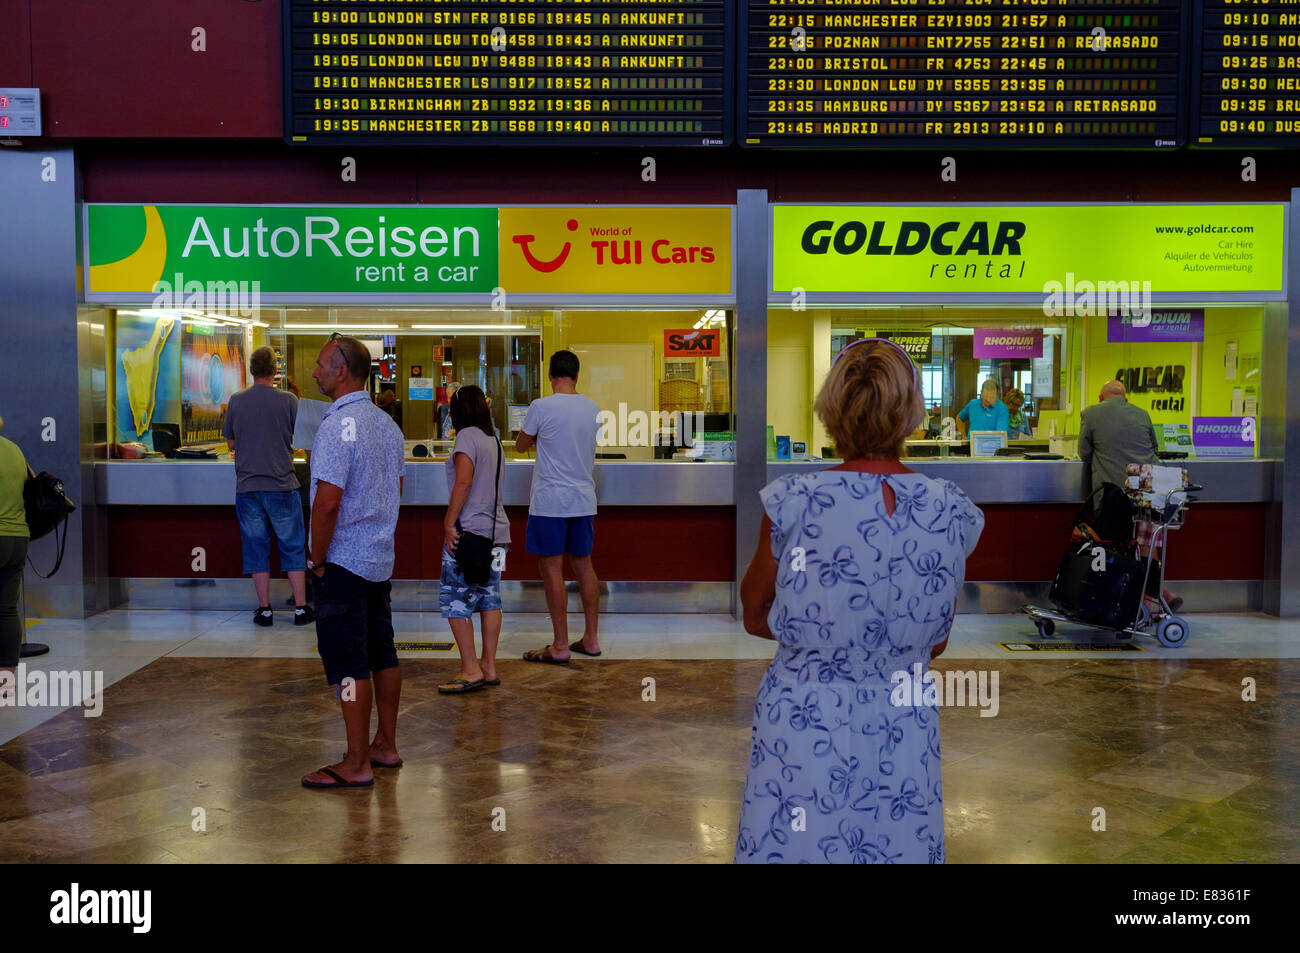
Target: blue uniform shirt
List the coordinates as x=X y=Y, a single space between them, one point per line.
x=980 y=417
x=359 y=449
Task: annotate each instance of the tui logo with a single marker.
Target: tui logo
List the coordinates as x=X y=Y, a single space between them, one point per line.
x=546 y=267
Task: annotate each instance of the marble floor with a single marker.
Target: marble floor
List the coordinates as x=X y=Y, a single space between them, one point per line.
x=208 y=717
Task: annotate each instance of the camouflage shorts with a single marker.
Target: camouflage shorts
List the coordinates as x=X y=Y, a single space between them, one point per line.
x=457 y=599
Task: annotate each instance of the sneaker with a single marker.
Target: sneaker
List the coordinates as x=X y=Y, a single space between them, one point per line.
x=302 y=615
x=264 y=616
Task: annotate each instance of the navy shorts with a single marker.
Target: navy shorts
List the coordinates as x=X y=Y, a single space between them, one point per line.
x=263 y=513
x=557 y=535
x=354 y=624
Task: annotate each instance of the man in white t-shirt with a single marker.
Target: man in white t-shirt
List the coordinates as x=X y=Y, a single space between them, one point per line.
x=562 y=506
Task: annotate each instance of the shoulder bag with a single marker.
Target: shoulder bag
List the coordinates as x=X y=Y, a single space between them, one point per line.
x=474 y=552
x=47 y=506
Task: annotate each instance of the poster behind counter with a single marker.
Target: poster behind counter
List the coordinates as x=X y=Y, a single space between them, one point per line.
x=1223 y=436
x=212 y=368
x=147 y=377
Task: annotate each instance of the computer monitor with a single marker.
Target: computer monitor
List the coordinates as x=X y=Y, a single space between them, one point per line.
x=985 y=443
x=166 y=438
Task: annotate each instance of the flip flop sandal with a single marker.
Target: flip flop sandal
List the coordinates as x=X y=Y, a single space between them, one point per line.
x=493 y=682
x=465 y=685
x=383 y=764
x=338 y=782
x=544 y=656
x=577 y=647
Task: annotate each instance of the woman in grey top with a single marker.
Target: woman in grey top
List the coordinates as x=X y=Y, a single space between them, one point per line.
x=475 y=480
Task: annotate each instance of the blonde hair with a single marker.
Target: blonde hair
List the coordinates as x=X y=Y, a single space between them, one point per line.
x=1014 y=396
x=870 y=401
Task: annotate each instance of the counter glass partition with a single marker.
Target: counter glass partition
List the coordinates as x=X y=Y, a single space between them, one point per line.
x=661 y=378
x=1197 y=371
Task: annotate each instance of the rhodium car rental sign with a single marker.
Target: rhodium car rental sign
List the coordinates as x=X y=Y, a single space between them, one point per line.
x=286 y=249
x=1006 y=249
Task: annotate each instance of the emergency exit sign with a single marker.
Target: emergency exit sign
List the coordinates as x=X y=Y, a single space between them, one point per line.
x=20 y=112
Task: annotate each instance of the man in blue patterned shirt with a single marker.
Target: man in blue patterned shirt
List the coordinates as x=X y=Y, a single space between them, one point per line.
x=357 y=466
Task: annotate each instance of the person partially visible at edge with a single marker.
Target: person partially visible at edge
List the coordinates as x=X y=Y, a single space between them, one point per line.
x=1112 y=434
x=357 y=471
x=446 y=431
x=14 y=537
x=1017 y=420
x=562 y=506
x=856 y=577
x=984 y=412
x=476 y=477
x=259 y=429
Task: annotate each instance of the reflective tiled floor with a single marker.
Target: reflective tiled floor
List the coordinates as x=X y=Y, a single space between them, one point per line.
x=205 y=711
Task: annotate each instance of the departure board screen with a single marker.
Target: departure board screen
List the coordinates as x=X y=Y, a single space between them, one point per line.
x=964 y=73
x=491 y=72
x=1247 y=89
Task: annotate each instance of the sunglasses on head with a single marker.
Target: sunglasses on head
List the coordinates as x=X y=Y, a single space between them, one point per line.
x=916 y=375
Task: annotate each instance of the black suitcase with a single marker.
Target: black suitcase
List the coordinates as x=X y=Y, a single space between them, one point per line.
x=1109 y=597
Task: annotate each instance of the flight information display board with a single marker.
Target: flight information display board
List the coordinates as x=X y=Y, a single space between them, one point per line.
x=1247 y=73
x=964 y=73
x=491 y=72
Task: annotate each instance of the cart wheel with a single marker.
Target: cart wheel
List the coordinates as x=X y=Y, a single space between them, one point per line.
x=1172 y=631
x=1045 y=628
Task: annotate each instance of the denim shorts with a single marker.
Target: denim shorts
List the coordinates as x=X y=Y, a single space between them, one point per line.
x=354 y=624
x=557 y=535
x=457 y=599
x=263 y=513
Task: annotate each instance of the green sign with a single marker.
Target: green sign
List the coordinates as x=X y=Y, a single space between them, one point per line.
x=1080 y=254
x=291 y=249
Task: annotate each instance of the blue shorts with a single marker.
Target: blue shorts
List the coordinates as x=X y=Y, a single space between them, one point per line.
x=262 y=513
x=557 y=535
x=354 y=624
x=457 y=599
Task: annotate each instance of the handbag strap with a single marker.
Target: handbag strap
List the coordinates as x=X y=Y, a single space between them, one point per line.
x=63 y=541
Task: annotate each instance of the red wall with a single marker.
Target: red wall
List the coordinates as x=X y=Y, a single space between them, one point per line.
x=633 y=543
x=1021 y=543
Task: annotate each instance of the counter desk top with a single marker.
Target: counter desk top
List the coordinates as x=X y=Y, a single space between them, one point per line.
x=668 y=483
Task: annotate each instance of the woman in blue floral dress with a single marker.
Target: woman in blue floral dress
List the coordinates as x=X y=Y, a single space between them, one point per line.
x=856 y=577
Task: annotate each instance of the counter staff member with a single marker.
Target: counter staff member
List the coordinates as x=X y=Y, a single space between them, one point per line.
x=259 y=429
x=1017 y=422
x=357 y=466
x=562 y=506
x=985 y=412
x=1112 y=434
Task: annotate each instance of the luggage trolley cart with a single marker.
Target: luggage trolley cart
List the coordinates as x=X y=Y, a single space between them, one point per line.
x=1170 y=629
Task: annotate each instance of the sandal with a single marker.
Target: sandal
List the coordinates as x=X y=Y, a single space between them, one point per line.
x=338 y=782
x=463 y=685
x=385 y=764
x=493 y=682
x=544 y=655
x=577 y=647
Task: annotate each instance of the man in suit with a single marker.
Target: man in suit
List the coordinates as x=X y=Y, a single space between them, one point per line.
x=1114 y=434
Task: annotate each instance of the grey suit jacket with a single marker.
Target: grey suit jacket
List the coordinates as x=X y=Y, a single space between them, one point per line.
x=1115 y=433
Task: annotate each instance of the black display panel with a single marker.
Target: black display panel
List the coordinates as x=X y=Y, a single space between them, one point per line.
x=509 y=72
x=1246 y=77
x=963 y=73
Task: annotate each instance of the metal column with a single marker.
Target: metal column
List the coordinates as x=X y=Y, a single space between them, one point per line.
x=752 y=245
x=1281 y=419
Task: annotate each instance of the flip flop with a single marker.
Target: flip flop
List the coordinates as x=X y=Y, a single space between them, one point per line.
x=338 y=782
x=544 y=656
x=465 y=686
x=384 y=764
x=493 y=682
x=577 y=647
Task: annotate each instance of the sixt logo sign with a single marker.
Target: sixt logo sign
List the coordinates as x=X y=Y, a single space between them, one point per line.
x=692 y=342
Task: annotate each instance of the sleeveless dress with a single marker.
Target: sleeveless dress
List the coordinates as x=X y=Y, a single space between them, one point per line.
x=839 y=773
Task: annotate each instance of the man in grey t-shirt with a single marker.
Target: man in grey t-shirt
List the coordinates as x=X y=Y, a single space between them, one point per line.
x=259 y=429
x=562 y=507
